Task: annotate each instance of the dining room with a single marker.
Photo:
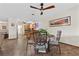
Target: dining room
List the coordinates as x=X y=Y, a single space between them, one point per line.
x=39 y=29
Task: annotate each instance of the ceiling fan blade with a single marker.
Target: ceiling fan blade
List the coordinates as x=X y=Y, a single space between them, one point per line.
x=49 y=7
x=34 y=7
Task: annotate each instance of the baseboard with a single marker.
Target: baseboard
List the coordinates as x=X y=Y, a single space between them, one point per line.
x=69 y=44
x=12 y=39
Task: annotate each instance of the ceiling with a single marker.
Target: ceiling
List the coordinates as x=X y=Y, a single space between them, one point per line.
x=20 y=10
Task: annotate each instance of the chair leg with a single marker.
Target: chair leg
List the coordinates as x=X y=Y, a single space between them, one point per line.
x=0 y=48
x=59 y=49
x=36 y=51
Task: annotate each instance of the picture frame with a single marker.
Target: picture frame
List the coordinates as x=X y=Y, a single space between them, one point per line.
x=3 y=27
x=64 y=21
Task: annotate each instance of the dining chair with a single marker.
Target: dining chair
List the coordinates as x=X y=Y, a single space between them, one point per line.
x=54 y=41
x=41 y=45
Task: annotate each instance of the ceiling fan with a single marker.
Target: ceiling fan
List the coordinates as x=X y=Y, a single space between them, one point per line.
x=42 y=8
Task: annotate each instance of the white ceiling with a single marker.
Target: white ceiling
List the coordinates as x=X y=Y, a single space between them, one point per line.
x=20 y=10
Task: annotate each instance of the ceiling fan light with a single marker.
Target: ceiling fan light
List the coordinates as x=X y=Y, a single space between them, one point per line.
x=41 y=13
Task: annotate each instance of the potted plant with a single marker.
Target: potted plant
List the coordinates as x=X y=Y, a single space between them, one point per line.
x=43 y=31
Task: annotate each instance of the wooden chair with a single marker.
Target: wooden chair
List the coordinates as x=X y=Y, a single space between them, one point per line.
x=41 y=45
x=54 y=41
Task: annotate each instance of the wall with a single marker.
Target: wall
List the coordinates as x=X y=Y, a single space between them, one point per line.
x=70 y=34
x=68 y=30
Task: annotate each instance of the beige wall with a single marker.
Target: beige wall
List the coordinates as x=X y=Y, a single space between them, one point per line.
x=67 y=30
x=71 y=33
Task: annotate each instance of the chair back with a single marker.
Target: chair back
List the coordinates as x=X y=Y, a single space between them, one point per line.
x=43 y=35
x=58 y=35
x=37 y=36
